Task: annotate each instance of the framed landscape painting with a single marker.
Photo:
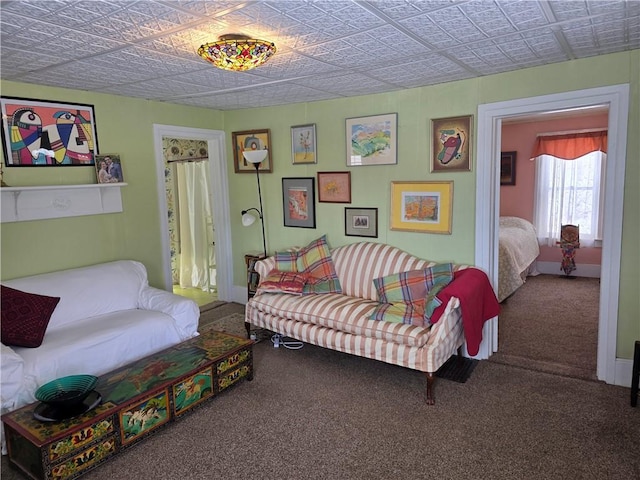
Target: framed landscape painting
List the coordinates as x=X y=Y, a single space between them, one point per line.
x=422 y=206
x=372 y=140
x=41 y=133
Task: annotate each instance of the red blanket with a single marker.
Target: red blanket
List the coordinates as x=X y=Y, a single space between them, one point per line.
x=478 y=303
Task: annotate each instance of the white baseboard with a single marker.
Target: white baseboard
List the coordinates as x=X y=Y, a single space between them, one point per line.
x=624 y=371
x=582 y=270
x=238 y=294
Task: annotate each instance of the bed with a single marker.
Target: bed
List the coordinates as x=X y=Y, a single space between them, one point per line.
x=518 y=250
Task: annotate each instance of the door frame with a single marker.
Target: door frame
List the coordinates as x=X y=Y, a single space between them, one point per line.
x=488 y=204
x=219 y=198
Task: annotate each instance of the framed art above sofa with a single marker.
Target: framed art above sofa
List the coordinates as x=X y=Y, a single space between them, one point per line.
x=422 y=206
x=299 y=202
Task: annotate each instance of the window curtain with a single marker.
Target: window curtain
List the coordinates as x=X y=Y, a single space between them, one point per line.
x=194 y=210
x=571 y=145
x=569 y=175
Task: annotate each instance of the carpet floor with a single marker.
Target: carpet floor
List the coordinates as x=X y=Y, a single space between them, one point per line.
x=550 y=324
x=315 y=413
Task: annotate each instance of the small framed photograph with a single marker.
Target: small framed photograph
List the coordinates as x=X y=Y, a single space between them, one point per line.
x=334 y=187
x=361 y=222
x=251 y=140
x=508 y=168
x=422 y=206
x=42 y=133
x=303 y=144
x=299 y=202
x=109 y=169
x=372 y=140
x=451 y=144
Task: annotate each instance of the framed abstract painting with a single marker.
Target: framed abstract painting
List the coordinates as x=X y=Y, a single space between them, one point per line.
x=251 y=140
x=451 y=144
x=42 y=133
x=299 y=202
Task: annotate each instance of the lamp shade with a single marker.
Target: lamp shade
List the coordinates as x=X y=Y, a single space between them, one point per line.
x=255 y=156
x=237 y=52
x=248 y=219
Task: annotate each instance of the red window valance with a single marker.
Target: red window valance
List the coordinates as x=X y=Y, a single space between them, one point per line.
x=570 y=146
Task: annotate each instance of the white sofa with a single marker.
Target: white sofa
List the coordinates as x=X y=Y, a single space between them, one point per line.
x=107 y=316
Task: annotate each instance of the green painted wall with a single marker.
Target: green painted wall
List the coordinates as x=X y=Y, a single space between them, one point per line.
x=31 y=247
x=416 y=108
x=124 y=126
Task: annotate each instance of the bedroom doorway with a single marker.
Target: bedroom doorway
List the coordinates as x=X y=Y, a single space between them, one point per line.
x=546 y=301
x=487 y=205
x=218 y=202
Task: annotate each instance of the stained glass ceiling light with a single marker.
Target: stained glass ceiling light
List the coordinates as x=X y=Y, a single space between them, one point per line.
x=238 y=53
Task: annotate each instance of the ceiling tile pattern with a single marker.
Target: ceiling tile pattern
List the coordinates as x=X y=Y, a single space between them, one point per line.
x=327 y=49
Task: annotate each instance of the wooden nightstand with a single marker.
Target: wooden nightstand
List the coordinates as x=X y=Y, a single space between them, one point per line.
x=252 y=276
x=253 y=279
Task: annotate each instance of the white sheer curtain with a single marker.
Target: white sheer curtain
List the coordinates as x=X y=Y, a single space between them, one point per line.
x=569 y=192
x=194 y=210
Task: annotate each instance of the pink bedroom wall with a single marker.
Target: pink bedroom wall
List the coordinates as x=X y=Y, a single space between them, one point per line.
x=517 y=200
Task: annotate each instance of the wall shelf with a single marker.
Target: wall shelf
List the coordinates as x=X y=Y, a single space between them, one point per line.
x=21 y=204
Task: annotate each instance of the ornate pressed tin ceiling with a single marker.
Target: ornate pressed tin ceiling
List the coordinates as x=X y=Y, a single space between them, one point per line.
x=325 y=49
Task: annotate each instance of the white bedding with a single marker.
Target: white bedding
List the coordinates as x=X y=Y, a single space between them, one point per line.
x=518 y=250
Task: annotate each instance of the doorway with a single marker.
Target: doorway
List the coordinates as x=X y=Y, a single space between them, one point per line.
x=487 y=204
x=190 y=219
x=217 y=203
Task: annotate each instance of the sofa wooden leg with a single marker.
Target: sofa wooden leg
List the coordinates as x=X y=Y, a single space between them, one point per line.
x=431 y=399
x=247 y=326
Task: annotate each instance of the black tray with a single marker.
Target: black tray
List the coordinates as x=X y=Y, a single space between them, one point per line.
x=48 y=413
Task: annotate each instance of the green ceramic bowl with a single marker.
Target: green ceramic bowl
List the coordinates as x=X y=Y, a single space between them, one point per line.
x=66 y=392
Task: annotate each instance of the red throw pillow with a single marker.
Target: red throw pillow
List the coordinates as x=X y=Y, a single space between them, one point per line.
x=25 y=317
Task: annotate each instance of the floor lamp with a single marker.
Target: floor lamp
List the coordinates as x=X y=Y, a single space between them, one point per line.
x=255 y=157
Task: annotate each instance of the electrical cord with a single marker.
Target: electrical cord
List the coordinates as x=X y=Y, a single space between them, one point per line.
x=278 y=339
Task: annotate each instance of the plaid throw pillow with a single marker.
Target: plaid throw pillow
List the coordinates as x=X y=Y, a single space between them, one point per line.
x=283 y=282
x=315 y=261
x=412 y=285
x=286 y=261
x=410 y=313
x=417 y=288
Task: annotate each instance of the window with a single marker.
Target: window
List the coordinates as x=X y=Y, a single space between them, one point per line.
x=569 y=192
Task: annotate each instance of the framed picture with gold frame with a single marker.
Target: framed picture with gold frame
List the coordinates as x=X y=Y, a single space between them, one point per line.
x=425 y=207
x=251 y=140
x=451 y=144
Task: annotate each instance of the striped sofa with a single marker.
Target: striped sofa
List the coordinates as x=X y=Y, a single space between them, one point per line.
x=340 y=321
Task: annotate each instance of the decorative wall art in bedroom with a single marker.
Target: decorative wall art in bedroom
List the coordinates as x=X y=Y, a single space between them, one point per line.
x=109 y=169
x=508 y=168
x=251 y=140
x=40 y=133
x=451 y=144
x=299 y=202
x=334 y=187
x=303 y=144
x=361 y=222
x=422 y=206
x=372 y=140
